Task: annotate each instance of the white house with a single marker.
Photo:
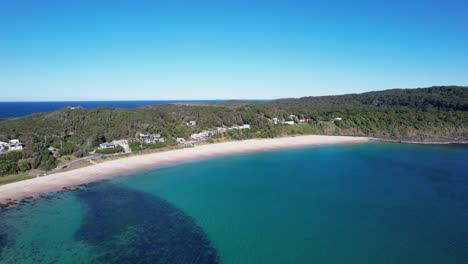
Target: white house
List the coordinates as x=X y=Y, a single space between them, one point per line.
x=291 y=117
x=180 y=140
x=144 y=136
x=202 y=135
x=107 y=145
x=192 y=123
x=207 y=133
x=196 y=136
x=156 y=137
x=15 y=144
x=289 y=122
x=338 y=118
x=274 y=120
x=221 y=129
x=244 y=126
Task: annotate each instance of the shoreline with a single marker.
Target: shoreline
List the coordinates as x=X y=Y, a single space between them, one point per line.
x=448 y=142
x=112 y=168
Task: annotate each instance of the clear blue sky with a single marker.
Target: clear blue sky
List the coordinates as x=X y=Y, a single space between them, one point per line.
x=130 y=50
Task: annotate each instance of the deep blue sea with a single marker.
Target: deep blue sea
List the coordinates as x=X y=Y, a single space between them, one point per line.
x=18 y=109
x=365 y=204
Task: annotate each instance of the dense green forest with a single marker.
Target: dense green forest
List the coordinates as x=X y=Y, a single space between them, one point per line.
x=415 y=114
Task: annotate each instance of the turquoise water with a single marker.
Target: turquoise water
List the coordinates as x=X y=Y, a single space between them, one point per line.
x=367 y=203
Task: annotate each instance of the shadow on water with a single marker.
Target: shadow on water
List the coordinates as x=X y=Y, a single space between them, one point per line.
x=128 y=226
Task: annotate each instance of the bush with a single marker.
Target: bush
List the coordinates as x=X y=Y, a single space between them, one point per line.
x=156 y=145
x=135 y=146
x=110 y=150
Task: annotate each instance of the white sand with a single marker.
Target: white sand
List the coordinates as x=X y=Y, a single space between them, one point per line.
x=57 y=181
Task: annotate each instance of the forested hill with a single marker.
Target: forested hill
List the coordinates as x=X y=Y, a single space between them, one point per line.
x=436 y=113
x=434 y=98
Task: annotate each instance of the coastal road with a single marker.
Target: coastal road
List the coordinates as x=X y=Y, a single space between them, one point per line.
x=78 y=161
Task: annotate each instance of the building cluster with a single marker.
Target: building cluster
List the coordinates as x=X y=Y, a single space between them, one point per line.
x=153 y=138
x=292 y=120
x=149 y=138
x=146 y=138
x=11 y=145
x=204 y=134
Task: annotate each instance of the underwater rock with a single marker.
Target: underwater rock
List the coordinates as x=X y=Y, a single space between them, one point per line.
x=124 y=225
x=71 y=188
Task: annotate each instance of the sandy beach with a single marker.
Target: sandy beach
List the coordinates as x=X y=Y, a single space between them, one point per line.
x=57 y=181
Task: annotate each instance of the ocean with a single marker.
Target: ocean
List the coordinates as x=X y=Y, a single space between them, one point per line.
x=364 y=203
x=18 y=109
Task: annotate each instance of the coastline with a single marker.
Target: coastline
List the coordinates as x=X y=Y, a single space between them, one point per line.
x=429 y=142
x=111 y=168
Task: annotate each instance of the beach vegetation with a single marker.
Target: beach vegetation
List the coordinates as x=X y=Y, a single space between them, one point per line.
x=108 y=151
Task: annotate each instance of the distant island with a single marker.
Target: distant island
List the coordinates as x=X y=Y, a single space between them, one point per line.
x=43 y=142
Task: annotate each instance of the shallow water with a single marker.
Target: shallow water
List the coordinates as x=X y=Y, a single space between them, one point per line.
x=367 y=203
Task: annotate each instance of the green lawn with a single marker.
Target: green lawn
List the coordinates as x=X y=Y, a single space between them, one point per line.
x=13 y=178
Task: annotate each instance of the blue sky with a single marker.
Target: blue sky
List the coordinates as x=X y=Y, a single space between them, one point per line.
x=130 y=50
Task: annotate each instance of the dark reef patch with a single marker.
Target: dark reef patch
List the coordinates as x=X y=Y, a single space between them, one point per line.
x=4 y=239
x=128 y=226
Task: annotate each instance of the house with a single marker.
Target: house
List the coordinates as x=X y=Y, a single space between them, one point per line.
x=289 y=122
x=133 y=140
x=54 y=151
x=192 y=123
x=244 y=126
x=160 y=140
x=3 y=146
x=207 y=133
x=276 y=121
x=338 y=118
x=15 y=144
x=221 y=129
x=107 y=145
x=302 y=120
x=144 y=136
x=291 y=117
x=155 y=135
x=196 y=136
x=155 y=138
x=180 y=140
x=202 y=135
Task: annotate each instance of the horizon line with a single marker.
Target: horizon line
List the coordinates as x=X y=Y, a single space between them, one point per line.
x=228 y=99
